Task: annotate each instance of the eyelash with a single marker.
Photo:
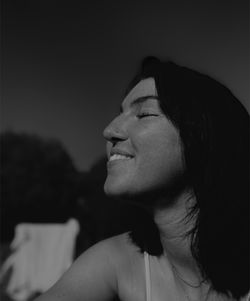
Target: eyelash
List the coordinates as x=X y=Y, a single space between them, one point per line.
x=142 y=115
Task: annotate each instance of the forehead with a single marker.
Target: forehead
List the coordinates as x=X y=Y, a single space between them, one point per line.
x=145 y=87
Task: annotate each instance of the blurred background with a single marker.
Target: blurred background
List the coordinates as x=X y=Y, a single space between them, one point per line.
x=64 y=70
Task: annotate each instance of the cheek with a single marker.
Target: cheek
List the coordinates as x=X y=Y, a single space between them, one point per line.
x=160 y=160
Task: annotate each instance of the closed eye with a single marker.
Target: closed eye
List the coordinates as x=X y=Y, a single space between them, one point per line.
x=143 y=115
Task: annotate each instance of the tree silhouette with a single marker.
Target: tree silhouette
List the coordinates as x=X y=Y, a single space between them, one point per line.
x=38 y=180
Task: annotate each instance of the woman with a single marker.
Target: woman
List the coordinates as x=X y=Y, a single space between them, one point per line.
x=179 y=150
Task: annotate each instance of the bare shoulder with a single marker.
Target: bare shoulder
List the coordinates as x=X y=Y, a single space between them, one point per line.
x=94 y=275
x=120 y=244
x=118 y=250
x=117 y=246
x=109 y=252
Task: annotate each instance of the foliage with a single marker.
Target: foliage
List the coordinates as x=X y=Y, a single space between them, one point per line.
x=37 y=178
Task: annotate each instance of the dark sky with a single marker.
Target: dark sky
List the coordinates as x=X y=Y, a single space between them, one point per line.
x=65 y=67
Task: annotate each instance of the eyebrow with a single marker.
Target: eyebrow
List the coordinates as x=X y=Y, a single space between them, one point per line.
x=140 y=100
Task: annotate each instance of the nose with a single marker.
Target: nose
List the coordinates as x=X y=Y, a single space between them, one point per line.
x=116 y=130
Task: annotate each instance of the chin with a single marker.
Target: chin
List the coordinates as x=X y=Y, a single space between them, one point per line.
x=129 y=195
x=115 y=190
x=120 y=187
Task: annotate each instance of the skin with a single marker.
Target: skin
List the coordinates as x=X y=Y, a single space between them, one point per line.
x=114 y=267
x=144 y=131
x=140 y=130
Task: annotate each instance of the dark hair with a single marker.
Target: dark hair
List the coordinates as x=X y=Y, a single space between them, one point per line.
x=214 y=128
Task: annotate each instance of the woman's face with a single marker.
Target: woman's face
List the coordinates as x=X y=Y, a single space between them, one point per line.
x=143 y=146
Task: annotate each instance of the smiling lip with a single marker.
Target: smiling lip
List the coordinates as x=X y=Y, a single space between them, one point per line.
x=121 y=153
x=117 y=156
x=118 y=162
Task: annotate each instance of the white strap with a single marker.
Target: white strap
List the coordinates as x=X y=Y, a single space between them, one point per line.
x=147 y=276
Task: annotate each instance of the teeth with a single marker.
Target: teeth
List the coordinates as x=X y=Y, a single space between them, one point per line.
x=118 y=157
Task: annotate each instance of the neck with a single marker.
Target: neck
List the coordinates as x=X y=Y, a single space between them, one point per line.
x=173 y=224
